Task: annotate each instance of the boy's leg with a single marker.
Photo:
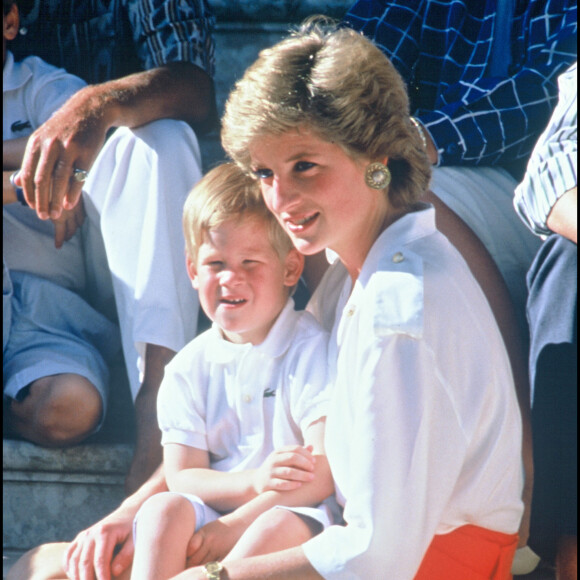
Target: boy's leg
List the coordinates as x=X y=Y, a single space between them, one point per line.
x=275 y=530
x=58 y=410
x=163 y=527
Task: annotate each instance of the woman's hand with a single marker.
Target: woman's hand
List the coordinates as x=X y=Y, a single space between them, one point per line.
x=285 y=469
x=215 y=540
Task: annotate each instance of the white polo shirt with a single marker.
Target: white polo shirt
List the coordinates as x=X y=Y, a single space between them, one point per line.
x=240 y=401
x=423 y=431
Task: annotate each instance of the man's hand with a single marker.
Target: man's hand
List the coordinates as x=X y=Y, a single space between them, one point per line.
x=92 y=554
x=68 y=223
x=70 y=139
x=285 y=469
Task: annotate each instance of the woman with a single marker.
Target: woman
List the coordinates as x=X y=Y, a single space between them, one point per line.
x=424 y=434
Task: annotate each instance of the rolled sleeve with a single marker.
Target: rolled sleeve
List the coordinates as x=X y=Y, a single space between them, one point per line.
x=552 y=169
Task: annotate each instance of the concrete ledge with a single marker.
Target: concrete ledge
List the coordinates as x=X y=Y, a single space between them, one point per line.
x=52 y=494
x=277 y=10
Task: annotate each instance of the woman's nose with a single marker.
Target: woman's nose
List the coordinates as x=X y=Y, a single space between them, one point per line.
x=281 y=196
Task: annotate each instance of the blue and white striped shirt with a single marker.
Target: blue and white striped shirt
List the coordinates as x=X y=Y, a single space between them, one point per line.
x=552 y=168
x=443 y=49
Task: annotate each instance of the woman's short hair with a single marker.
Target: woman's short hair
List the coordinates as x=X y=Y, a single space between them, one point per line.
x=343 y=88
x=224 y=193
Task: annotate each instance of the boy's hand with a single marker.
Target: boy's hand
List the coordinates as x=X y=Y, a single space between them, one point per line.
x=285 y=469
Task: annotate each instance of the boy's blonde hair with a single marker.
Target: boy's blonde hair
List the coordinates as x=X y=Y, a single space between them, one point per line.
x=226 y=193
x=339 y=85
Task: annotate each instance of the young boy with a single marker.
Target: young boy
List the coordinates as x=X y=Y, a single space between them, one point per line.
x=242 y=407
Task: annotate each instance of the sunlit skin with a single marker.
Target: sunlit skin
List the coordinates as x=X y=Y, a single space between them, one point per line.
x=242 y=282
x=319 y=195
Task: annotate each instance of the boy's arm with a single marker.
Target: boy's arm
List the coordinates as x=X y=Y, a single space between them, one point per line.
x=188 y=471
x=215 y=540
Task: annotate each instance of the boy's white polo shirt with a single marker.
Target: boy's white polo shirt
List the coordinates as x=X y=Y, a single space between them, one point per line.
x=240 y=401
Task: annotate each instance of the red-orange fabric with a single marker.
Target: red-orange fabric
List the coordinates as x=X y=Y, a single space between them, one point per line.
x=469 y=553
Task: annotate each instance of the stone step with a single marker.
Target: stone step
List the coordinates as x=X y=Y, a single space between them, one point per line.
x=52 y=494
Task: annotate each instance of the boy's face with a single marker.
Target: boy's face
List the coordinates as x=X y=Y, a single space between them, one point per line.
x=242 y=282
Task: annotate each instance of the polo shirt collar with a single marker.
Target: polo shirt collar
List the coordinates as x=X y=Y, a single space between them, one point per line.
x=222 y=351
x=14 y=74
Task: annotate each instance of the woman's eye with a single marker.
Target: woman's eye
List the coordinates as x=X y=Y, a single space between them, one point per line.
x=263 y=173
x=302 y=166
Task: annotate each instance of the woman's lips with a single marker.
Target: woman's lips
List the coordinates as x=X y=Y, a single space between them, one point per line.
x=296 y=224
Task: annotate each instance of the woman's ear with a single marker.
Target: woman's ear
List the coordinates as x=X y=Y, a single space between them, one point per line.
x=11 y=23
x=294 y=264
x=192 y=272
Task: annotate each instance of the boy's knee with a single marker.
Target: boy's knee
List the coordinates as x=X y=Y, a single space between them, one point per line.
x=162 y=506
x=60 y=410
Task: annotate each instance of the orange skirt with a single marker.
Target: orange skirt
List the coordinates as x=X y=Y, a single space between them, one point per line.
x=469 y=553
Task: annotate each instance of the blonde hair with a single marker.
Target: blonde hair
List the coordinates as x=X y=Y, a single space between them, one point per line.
x=225 y=193
x=339 y=85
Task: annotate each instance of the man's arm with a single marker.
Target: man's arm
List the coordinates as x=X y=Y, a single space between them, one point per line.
x=563 y=219
x=546 y=198
x=73 y=137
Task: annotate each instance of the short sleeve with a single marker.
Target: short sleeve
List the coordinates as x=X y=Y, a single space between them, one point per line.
x=181 y=405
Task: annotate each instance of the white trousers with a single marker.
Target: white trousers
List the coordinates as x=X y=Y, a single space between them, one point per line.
x=133 y=240
x=483 y=198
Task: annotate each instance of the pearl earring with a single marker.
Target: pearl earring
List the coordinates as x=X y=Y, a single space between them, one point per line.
x=377 y=175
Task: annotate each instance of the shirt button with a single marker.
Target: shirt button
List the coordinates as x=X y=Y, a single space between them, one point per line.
x=247 y=398
x=398 y=257
x=350 y=311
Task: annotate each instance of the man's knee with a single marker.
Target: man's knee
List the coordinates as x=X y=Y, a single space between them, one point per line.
x=60 y=410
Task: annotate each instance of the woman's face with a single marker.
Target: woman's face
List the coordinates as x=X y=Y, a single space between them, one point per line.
x=319 y=195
